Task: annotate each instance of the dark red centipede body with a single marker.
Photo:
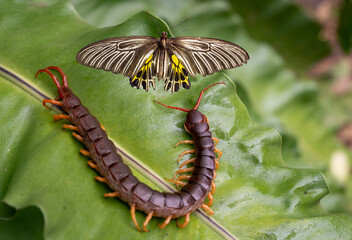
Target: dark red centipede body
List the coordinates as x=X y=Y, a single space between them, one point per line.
x=118 y=176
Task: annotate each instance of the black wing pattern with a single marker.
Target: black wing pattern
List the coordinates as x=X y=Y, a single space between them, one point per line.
x=129 y=56
x=207 y=55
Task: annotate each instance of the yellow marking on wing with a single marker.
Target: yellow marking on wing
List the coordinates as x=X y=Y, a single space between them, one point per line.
x=141 y=76
x=181 y=76
x=175 y=60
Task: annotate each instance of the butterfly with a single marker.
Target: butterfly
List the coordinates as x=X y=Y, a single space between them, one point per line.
x=143 y=58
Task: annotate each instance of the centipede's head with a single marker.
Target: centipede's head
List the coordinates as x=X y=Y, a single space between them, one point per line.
x=194 y=116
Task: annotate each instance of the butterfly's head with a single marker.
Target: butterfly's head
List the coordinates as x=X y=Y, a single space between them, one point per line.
x=163 y=35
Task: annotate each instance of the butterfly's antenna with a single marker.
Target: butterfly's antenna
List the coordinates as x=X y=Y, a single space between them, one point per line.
x=198 y=102
x=201 y=93
x=154 y=21
x=179 y=23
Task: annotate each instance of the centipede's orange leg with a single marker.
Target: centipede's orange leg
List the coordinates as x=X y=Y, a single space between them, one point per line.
x=85 y=153
x=112 y=194
x=183 y=177
x=216 y=141
x=166 y=222
x=213 y=187
x=211 y=199
x=176 y=182
x=72 y=127
x=150 y=215
x=218 y=152
x=79 y=137
x=61 y=116
x=183 y=225
x=92 y=165
x=207 y=209
x=187 y=162
x=45 y=101
x=184 y=153
x=102 y=127
x=184 y=141
x=190 y=169
x=100 y=179
x=218 y=158
x=133 y=215
x=206 y=119
x=216 y=164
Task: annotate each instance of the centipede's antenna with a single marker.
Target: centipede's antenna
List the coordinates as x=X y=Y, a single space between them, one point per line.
x=154 y=21
x=201 y=93
x=198 y=102
x=177 y=108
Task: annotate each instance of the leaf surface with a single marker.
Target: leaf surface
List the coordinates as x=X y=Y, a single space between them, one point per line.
x=257 y=196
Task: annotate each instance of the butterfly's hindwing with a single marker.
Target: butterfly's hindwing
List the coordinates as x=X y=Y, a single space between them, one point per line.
x=177 y=76
x=145 y=76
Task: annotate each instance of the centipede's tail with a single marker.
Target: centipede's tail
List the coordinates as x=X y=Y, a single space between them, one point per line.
x=57 y=83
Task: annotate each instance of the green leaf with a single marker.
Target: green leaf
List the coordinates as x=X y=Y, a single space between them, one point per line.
x=27 y=224
x=257 y=196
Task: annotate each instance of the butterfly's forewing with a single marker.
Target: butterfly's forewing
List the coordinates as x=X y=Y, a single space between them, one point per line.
x=207 y=55
x=126 y=55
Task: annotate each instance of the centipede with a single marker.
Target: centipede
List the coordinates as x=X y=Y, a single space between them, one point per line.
x=195 y=184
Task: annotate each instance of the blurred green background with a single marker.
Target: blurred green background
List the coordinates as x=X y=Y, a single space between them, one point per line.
x=298 y=80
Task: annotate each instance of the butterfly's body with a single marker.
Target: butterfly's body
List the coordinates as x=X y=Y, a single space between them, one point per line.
x=162 y=60
x=143 y=58
x=163 y=40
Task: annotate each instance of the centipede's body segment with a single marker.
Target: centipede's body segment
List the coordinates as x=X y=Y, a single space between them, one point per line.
x=118 y=176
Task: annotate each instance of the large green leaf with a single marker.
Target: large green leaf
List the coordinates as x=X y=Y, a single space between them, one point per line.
x=257 y=195
x=27 y=224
